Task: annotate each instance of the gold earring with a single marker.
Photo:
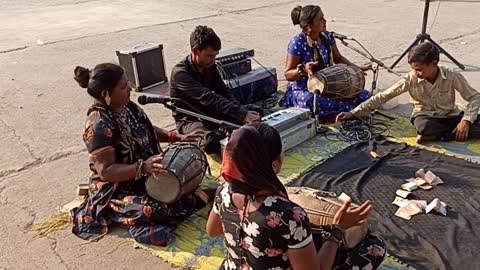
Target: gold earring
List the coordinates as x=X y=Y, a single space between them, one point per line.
x=108 y=99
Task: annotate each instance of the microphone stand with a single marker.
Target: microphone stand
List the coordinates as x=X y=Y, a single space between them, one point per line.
x=320 y=129
x=223 y=124
x=370 y=57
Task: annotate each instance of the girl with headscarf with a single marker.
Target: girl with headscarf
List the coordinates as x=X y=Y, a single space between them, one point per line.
x=263 y=229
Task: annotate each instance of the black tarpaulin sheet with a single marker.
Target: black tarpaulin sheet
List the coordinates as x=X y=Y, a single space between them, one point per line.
x=426 y=241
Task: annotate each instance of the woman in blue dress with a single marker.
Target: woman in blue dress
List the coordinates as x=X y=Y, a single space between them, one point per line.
x=312 y=50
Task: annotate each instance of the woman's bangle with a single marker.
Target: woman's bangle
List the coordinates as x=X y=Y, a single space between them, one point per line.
x=139 y=174
x=332 y=233
x=301 y=70
x=172 y=137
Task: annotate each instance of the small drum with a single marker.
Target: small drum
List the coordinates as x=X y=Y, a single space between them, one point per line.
x=186 y=165
x=337 y=82
x=321 y=207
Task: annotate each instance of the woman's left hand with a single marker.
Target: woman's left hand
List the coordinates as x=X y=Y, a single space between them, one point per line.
x=366 y=67
x=309 y=67
x=347 y=218
x=191 y=137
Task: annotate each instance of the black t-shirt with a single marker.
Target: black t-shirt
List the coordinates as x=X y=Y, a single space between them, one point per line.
x=205 y=92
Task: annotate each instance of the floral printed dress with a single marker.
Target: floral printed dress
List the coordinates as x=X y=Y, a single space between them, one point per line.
x=132 y=136
x=297 y=94
x=268 y=232
x=276 y=226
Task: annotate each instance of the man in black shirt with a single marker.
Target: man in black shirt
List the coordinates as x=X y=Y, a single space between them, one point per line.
x=197 y=81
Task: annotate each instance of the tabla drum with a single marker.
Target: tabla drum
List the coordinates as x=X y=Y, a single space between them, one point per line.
x=321 y=207
x=186 y=165
x=337 y=82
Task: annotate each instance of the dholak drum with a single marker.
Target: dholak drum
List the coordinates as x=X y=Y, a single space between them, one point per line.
x=186 y=165
x=337 y=82
x=321 y=207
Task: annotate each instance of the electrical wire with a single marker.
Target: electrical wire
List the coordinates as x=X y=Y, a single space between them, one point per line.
x=236 y=79
x=271 y=73
x=233 y=80
x=272 y=100
x=269 y=102
x=358 y=130
x=363 y=47
x=435 y=18
x=225 y=76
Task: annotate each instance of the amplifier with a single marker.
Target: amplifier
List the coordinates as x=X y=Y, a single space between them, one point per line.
x=144 y=65
x=294 y=125
x=253 y=86
x=232 y=55
x=235 y=68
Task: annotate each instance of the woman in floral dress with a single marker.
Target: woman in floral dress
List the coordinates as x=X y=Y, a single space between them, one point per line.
x=124 y=149
x=262 y=228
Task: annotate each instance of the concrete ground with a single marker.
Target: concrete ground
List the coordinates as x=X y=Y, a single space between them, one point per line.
x=42 y=109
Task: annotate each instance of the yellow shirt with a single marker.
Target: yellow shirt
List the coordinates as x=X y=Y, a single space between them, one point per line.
x=437 y=99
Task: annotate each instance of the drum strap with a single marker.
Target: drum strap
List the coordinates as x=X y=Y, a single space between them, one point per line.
x=317 y=55
x=328 y=47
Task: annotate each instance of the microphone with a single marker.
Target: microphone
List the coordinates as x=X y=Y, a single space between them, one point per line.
x=340 y=36
x=146 y=100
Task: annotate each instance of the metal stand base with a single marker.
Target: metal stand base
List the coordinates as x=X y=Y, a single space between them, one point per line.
x=426 y=37
x=423 y=36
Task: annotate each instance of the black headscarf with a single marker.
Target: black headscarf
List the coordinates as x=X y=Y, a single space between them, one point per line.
x=248 y=158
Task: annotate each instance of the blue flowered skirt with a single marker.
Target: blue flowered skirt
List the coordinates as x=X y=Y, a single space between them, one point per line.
x=326 y=107
x=147 y=220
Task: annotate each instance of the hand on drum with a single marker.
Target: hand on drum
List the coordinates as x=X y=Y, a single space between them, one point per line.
x=152 y=165
x=347 y=218
x=192 y=137
x=344 y=116
x=309 y=68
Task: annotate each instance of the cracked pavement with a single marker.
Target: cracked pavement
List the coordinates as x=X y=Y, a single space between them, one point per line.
x=42 y=109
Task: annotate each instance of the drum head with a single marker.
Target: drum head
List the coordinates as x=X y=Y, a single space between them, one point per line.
x=316 y=82
x=163 y=187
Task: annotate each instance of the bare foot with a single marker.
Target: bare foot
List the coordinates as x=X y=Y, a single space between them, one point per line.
x=207 y=195
x=424 y=138
x=210 y=192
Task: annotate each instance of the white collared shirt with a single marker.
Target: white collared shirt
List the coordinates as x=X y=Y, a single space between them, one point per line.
x=437 y=99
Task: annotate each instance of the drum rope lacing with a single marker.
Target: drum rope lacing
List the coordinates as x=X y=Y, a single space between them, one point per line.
x=190 y=168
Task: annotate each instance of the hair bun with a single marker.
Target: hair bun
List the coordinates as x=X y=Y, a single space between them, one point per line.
x=295 y=15
x=82 y=76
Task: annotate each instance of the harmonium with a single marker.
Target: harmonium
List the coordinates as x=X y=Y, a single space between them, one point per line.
x=294 y=125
